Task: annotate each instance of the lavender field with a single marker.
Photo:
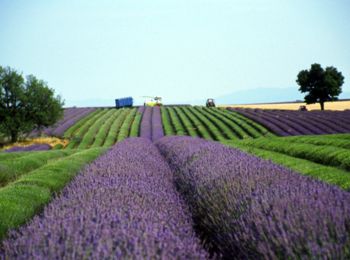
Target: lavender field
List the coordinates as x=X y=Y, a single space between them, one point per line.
x=176 y=192
x=286 y=123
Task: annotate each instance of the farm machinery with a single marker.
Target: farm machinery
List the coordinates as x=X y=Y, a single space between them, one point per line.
x=123 y=102
x=152 y=101
x=210 y=102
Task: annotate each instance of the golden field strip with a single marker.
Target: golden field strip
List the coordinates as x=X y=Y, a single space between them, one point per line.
x=336 y=105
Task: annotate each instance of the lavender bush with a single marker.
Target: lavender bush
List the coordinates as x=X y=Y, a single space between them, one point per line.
x=289 y=122
x=34 y=147
x=146 y=123
x=249 y=208
x=151 y=124
x=122 y=206
x=157 y=126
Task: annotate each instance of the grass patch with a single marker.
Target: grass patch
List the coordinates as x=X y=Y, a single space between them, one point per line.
x=22 y=199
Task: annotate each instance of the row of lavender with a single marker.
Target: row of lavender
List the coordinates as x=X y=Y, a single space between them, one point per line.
x=248 y=208
x=122 y=206
x=151 y=124
x=30 y=148
x=70 y=117
x=289 y=122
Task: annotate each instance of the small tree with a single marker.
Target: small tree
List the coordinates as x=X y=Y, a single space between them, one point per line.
x=43 y=108
x=25 y=106
x=321 y=85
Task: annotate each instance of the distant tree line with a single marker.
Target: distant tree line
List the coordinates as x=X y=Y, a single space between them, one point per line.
x=26 y=104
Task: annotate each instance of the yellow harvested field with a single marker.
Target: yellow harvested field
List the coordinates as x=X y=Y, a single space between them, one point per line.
x=336 y=105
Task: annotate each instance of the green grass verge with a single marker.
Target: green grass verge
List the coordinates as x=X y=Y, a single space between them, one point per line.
x=22 y=199
x=327 y=155
x=323 y=140
x=13 y=155
x=12 y=169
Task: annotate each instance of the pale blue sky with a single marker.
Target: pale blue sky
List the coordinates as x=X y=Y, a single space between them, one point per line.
x=181 y=50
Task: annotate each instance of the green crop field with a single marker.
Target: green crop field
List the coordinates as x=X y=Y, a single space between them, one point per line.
x=210 y=123
x=103 y=128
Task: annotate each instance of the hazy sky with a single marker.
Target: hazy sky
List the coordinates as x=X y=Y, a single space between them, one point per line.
x=179 y=49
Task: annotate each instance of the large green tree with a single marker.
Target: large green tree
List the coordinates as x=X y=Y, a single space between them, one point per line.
x=320 y=84
x=26 y=105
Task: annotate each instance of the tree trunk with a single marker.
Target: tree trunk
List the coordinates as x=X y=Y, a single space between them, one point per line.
x=14 y=137
x=322 y=105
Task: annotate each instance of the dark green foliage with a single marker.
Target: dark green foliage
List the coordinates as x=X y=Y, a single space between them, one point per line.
x=320 y=84
x=26 y=105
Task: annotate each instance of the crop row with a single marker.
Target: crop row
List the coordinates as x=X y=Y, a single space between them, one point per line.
x=328 y=174
x=12 y=169
x=38 y=176
x=323 y=154
x=103 y=128
x=284 y=122
x=123 y=206
x=325 y=157
x=248 y=208
x=70 y=117
x=151 y=125
x=210 y=123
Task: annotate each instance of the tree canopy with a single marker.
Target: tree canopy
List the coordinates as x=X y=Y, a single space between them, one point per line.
x=26 y=104
x=321 y=84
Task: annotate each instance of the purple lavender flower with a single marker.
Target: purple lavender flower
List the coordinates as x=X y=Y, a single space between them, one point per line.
x=151 y=124
x=157 y=127
x=290 y=122
x=122 y=206
x=70 y=117
x=249 y=208
x=146 y=123
x=34 y=147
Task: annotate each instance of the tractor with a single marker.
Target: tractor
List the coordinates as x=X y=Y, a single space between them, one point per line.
x=210 y=102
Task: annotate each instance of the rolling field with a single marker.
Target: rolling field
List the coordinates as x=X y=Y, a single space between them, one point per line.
x=168 y=193
x=286 y=123
x=335 y=105
x=211 y=124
